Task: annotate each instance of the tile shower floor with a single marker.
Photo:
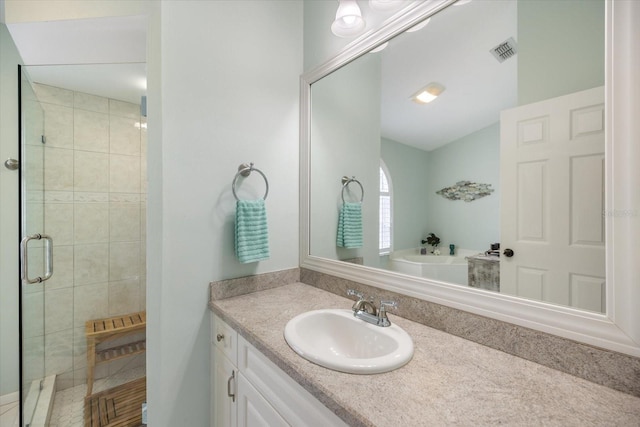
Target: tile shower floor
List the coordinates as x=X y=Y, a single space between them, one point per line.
x=68 y=405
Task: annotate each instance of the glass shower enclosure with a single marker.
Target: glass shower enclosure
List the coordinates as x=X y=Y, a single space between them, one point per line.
x=82 y=251
x=36 y=263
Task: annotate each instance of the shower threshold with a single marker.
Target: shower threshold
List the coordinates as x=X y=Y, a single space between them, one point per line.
x=39 y=402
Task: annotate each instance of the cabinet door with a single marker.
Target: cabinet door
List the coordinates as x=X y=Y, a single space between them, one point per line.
x=295 y=404
x=223 y=382
x=253 y=409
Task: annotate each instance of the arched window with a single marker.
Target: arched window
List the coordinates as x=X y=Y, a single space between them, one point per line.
x=386 y=211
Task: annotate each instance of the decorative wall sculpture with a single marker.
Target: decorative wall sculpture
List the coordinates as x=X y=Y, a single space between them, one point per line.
x=466 y=190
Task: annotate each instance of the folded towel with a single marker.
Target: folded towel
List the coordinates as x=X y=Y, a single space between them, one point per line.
x=251 y=232
x=350 y=226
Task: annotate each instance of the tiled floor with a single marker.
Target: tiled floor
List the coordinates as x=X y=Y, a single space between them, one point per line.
x=68 y=406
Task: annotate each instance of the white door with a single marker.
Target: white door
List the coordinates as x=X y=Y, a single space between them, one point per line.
x=552 y=200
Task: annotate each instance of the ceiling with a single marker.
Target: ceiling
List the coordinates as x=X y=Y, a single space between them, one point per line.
x=477 y=86
x=58 y=53
x=100 y=56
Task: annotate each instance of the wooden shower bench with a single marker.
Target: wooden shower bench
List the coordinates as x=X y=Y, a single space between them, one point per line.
x=110 y=328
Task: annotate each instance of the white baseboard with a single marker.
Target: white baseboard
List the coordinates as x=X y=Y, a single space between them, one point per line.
x=9 y=398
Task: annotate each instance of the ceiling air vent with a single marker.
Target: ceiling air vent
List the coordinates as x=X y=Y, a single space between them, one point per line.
x=505 y=50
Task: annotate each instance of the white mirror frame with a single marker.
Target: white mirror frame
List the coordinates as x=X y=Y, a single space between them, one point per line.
x=619 y=328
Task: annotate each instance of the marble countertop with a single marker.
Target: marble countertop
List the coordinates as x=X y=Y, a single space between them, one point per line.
x=449 y=381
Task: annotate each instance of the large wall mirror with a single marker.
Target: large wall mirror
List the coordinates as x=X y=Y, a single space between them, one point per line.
x=499 y=195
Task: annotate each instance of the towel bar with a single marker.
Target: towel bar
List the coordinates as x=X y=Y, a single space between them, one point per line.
x=245 y=170
x=345 y=183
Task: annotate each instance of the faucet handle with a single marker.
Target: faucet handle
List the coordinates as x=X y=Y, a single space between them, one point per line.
x=384 y=304
x=352 y=292
x=383 y=320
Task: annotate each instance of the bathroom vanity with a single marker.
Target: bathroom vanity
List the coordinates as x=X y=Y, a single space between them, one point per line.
x=248 y=389
x=450 y=380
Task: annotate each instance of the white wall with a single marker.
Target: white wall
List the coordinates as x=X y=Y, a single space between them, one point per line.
x=9 y=281
x=53 y=10
x=228 y=73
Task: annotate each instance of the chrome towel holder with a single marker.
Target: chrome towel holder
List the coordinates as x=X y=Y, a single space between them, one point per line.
x=245 y=170
x=345 y=183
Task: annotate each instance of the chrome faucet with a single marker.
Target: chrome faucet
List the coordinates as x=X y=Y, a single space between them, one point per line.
x=362 y=304
x=366 y=310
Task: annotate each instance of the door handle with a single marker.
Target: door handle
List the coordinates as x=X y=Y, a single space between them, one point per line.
x=508 y=252
x=48 y=260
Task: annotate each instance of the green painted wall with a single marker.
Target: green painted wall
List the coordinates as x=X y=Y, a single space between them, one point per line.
x=560 y=47
x=417 y=175
x=345 y=140
x=408 y=167
x=475 y=157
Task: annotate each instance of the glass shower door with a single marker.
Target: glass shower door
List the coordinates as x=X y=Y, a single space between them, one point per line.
x=35 y=248
x=84 y=185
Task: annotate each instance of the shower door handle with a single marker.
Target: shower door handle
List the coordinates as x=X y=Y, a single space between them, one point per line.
x=48 y=260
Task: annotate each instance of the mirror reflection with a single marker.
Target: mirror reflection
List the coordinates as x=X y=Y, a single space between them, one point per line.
x=496 y=179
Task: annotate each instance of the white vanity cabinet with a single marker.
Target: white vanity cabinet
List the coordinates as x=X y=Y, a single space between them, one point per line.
x=224 y=376
x=254 y=409
x=224 y=372
x=248 y=390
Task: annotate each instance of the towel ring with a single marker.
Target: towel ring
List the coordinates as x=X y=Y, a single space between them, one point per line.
x=245 y=170
x=345 y=183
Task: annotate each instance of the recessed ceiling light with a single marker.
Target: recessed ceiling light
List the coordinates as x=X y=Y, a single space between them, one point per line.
x=428 y=93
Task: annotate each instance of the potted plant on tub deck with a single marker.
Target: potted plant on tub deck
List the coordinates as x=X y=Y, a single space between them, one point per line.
x=433 y=241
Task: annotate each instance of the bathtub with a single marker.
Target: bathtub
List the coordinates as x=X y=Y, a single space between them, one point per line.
x=444 y=268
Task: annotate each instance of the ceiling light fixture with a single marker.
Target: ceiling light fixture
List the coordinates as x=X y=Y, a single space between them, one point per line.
x=383 y=5
x=349 y=20
x=428 y=93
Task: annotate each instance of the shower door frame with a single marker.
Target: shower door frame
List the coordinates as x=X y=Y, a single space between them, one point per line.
x=23 y=239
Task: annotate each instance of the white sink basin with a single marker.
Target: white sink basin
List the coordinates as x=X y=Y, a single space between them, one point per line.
x=337 y=340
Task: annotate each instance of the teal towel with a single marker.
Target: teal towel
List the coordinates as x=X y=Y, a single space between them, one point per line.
x=251 y=232
x=350 y=226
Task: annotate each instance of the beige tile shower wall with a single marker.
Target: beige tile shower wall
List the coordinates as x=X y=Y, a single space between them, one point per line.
x=95 y=209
